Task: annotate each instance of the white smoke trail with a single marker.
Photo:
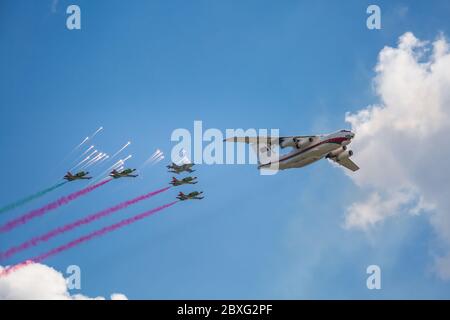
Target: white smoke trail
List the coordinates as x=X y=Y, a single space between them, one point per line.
x=83 y=154
x=104 y=158
x=89 y=162
x=89 y=157
x=92 y=161
x=118 y=163
x=82 y=142
x=128 y=157
x=157 y=160
x=87 y=150
x=66 y=157
x=121 y=149
x=83 y=161
x=92 y=153
x=158 y=153
x=95 y=133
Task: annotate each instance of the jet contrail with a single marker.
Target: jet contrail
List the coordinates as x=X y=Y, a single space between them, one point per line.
x=101 y=156
x=73 y=150
x=118 y=163
x=104 y=158
x=95 y=133
x=158 y=153
x=30 y=198
x=155 y=156
x=78 y=223
x=89 y=157
x=85 y=139
x=80 y=163
x=126 y=158
x=49 y=207
x=158 y=159
x=95 y=160
x=85 y=238
x=87 y=164
x=87 y=150
x=92 y=153
x=121 y=149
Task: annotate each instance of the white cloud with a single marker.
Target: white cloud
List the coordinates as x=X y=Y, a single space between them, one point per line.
x=375 y=209
x=39 y=282
x=402 y=143
x=118 y=296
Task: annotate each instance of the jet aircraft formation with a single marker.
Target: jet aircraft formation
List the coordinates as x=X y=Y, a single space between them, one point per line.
x=173 y=168
x=304 y=150
x=178 y=169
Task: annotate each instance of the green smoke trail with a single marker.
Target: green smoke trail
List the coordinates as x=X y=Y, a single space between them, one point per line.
x=30 y=198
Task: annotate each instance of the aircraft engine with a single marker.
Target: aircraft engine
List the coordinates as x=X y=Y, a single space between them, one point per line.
x=296 y=142
x=303 y=142
x=337 y=152
x=287 y=142
x=344 y=155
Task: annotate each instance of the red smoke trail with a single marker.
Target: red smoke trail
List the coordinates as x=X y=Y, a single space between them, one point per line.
x=91 y=218
x=49 y=207
x=85 y=238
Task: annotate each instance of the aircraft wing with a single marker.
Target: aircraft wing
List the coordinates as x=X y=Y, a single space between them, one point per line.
x=265 y=139
x=349 y=164
x=252 y=140
x=296 y=137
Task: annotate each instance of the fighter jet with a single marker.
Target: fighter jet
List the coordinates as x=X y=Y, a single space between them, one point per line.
x=188 y=180
x=174 y=168
x=124 y=173
x=78 y=176
x=193 y=195
x=304 y=150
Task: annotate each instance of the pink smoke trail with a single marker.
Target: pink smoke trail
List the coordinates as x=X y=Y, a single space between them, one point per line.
x=70 y=226
x=85 y=238
x=49 y=207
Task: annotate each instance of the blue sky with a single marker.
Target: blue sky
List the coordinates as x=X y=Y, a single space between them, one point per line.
x=145 y=68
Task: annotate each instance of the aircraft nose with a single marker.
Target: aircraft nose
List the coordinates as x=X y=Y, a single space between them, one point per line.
x=350 y=135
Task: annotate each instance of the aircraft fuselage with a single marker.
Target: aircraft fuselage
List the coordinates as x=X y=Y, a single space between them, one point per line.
x=312 y=152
